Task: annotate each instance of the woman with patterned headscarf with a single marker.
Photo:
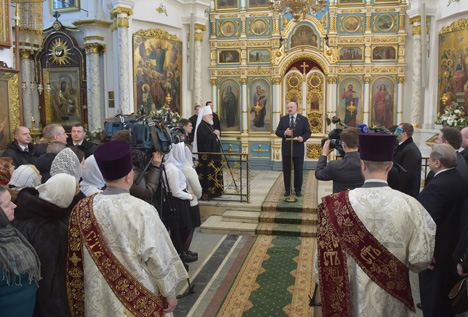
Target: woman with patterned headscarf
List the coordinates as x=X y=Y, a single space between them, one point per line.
x=42 y=217
x=24 y=176
x=67 y=162
x=6 y=169
x=19 y=265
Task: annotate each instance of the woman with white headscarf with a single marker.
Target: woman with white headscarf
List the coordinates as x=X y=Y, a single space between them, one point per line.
x=24 y=176
x=42 y=217
x=181 y=199
x=93 y=181
x=195 y=189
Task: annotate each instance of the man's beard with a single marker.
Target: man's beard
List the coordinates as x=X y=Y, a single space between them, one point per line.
x=211 y=122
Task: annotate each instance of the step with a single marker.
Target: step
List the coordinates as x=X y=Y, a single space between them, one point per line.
x=287 y=230
x=215 y=224
x=288 y=218
x=241 y=216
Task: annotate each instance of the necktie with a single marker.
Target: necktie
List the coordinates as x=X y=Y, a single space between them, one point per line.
x=26 y=149
x=292 y=121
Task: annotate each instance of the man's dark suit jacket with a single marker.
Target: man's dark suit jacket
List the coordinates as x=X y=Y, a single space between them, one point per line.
x=216 y=123
x=443 y=197
x=464 y=153
x=407 y=154
x=345 y=174
x=87 y=147
x=301 y=128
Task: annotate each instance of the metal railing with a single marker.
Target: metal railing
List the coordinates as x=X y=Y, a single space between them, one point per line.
x=224 y=175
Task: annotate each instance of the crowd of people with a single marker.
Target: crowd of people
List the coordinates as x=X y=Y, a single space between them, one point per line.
x=81 y=228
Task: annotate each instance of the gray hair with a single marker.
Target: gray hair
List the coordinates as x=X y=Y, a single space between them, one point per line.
x=51 y=130
x=445 y=154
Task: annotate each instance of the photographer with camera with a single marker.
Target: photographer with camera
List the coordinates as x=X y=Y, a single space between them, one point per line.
x=346 y=173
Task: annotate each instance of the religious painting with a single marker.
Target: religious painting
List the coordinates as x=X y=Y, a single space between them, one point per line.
x=453 y=70
x=304 y=35
x=383 y=101
x=258 y=27
x=259 y=106
x=258 y=4
x=384 y=53
x=229 y=57
x=350 y=101
x=349 y=54
x=157 y=71
x=63 y=102
x=229 y=94
x=228 y=28
x=292 y=90
x=384 y=23
x=5 y=24
x=351 y=23
x=227 y=4
x=350 y=2
x=314 y=92
x=64 y=6
x=9 y=106
x=261 y=56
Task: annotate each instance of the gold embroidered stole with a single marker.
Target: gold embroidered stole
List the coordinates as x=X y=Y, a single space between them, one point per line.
x=341 y=231
x=84 y=229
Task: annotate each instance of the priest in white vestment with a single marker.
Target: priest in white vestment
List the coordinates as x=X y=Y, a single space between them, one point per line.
x=398 y=221
x=135 y=235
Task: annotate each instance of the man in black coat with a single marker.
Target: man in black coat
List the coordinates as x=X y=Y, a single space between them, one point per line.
x=193 y=120
x=216 y=123
x=443 y=197
x=346 y=173
x=464 y=153
x=78 y=135
x=298 y=126
x=408 y=156
x=20 y=149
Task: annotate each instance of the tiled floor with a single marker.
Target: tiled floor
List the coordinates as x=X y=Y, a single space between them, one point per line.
x=218 y=252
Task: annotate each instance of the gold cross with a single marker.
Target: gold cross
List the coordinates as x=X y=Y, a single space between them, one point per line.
x=260 y=150
x=75 y=259
x=230 y=149
x=304 y=66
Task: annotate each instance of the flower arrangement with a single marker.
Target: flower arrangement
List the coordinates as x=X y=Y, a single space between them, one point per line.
x=453 y=116
x=166 y=112
x=94 y=136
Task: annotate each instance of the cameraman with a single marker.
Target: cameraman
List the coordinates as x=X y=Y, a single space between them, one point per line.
x=346 y=173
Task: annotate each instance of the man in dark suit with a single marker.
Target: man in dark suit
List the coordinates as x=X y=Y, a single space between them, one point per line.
x=299 y=125
x=193 y=120
x=453 y=137
x=443 y=198
x=464 y=153
x=78 y=135
x=20 y=150
x=216 y=123
x=346 y=173
x=408 y=156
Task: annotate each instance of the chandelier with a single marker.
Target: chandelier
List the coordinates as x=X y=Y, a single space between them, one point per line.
x=298 y=8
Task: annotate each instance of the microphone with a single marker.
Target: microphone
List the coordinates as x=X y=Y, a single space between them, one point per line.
x=363 y=128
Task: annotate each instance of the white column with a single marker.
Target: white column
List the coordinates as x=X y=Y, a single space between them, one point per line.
x=214 y=99
x=277 y=102
x=94 y=79
x=197 y=71
x=303 y=106
x=416 y=85
x=121 y=23
x=399 y=117
x=27 y=94
x=245 y=106
x=366 y=105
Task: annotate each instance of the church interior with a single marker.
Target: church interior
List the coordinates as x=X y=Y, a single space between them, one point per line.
x=367 y=62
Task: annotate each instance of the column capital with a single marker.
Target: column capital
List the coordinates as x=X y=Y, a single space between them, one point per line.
x=401 y=79
x=214 y=81
x=26 y=53
x=95 y=48
x=367 y=80
x=120 y=9
x=200 y=27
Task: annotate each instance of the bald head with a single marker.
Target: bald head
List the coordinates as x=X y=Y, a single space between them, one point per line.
x=292 y=108
x=22 y=135
x=464 y=133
